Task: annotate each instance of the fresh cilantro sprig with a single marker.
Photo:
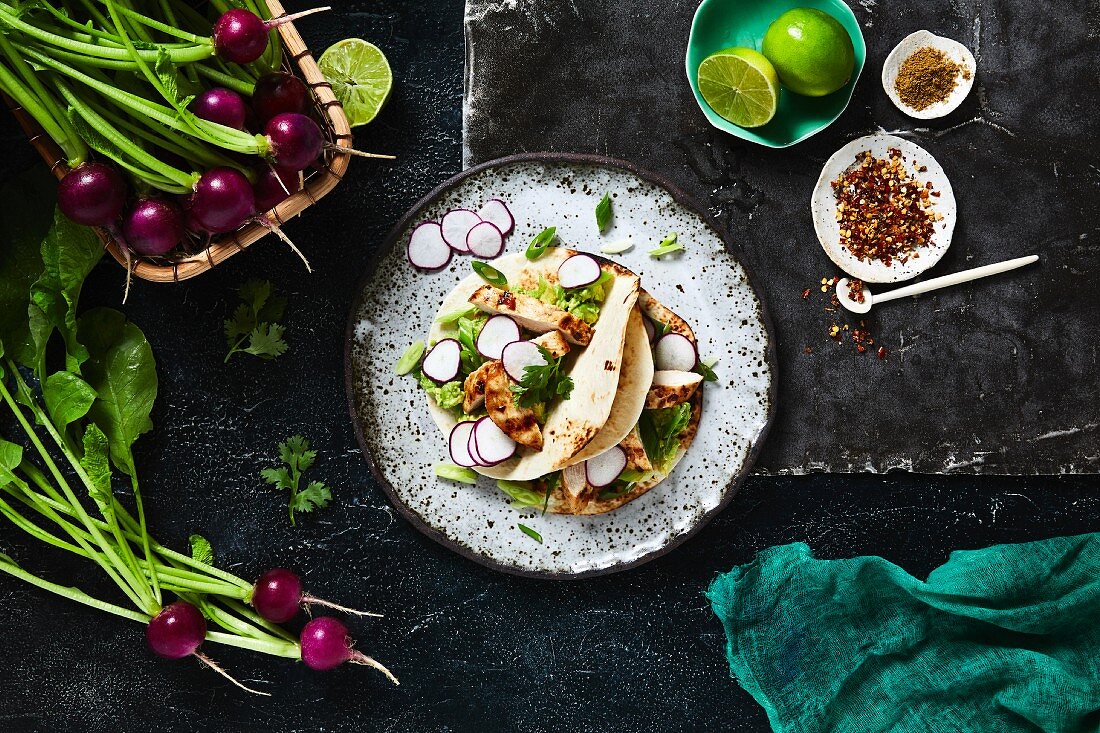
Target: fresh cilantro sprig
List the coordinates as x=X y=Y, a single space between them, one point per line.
x=660 y=432
x=542 y=382
x=297 y=458
x=254 y=327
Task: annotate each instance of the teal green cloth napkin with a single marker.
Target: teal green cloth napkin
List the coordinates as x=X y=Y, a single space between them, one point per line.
x=997 y=640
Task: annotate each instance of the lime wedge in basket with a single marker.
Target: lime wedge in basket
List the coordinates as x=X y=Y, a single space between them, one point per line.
x=360 y=77
x=740 y=85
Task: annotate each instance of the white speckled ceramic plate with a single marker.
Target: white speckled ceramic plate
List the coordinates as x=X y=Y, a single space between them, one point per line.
x=823 y=208
x=706 y=284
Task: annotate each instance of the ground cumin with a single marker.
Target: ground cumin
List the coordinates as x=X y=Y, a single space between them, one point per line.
x=927 y=76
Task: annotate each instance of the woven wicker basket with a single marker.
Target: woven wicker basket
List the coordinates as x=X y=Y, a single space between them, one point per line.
x=327 y=111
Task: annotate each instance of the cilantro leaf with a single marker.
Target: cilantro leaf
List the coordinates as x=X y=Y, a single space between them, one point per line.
x=297 y=458
x=542 y=382
x=253 y=329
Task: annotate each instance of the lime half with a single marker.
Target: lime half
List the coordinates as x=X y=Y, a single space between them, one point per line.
x=360 y=77
x=740 y=85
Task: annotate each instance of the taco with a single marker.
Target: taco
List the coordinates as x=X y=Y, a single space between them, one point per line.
x=572 y=382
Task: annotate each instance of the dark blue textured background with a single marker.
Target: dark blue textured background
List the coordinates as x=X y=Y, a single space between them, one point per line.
x=476 y=650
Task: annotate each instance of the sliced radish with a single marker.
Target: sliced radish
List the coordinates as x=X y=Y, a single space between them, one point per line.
x=519 y=355
x=675 y=352
x=578 y=271
x=606 y=467
x=471 y=445
x=456 y=225
x=493 y=444
x=459 y=444
x=427 y=248
x=442 y=362
x=485 y=240
x=498 y=332
x=650 y=329
x=496 y=211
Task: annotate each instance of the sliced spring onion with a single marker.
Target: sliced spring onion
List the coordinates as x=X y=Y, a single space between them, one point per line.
x=618 y=246
x=541 y=243
x=456 y=473
x=490 y=274
x=448 y=318
x=705 y=367
x=668 y=245
x=530 y=533
x=409 y=359
x=603 y=213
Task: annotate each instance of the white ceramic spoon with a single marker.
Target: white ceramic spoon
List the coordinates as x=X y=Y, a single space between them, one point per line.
x=955 y=278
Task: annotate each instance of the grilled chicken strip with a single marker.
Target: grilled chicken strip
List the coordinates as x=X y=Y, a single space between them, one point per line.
x=636 y=459
x=671 y=388
x=532 y=314
x=517 y=422
x=474 y=386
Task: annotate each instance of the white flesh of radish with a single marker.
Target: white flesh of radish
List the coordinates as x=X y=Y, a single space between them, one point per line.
x=602 y=470
x=675 y=352
x=456 y=225
x=427 y=248
x=485 y=240
x=442 y=362
x=498 y=332
x=519 y=355
x=578 y=271
x=459 y=444
x=496 y=211
x=493 y=444
x=472 y=446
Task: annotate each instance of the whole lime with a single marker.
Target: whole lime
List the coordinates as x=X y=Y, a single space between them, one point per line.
x=811 y=51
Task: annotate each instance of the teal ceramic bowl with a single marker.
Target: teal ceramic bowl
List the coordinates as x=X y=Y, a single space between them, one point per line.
x=720 y=24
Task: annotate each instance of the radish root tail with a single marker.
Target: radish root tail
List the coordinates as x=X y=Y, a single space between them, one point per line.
x=267 y=224
x=358 y=657
x=217 y=668
x=360 y=153
x=294 y=16
x=308 y=601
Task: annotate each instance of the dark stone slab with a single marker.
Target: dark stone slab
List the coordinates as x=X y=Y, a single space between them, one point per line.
x=477 y=651
x=997 y=377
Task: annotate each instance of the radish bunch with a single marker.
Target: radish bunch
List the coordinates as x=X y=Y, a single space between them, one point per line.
x=479 y=233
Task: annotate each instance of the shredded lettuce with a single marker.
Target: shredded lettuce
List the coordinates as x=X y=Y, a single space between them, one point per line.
x=660 y=431
x=584 y=302
x=469 y=328
x=448 y=396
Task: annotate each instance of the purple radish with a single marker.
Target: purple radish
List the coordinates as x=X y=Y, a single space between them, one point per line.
x=675 y=352
x=650 y=329
x=274 y=186
x=485 y=240
x=326 y=645
x=578 y=271
x=177 y=631
x=427 y=248
x=442 y=363
x=459 y=445
x=519 y=355
x=456 y=225
x=496 y=212
x=472 y=446
x=498 y=332
x=92 y=194
x=493 y=444
x=279 y=93
x=278 y=597
x=153 y=226
x=223 y=201
x=296 y=141
x=604 y=469
x=223 y=106
x=240 y=36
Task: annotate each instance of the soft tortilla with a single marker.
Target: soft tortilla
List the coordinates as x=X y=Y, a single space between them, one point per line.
x=615 y=350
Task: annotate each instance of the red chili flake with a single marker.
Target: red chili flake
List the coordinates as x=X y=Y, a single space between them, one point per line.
x=805 y=293
x=855 y=290
x=882 y=353
x=807 y=350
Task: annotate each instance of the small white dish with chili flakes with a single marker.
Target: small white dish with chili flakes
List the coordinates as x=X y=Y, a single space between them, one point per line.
x=883 y=209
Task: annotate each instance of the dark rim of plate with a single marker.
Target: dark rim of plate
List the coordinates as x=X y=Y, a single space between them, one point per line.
x=577 y=159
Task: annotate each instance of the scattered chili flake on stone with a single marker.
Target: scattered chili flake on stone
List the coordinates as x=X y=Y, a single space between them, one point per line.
x=807 y=350
x=882 y=353
x=805 y=293
x=883 y=213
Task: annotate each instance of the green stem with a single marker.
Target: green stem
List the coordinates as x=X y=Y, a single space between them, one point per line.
x=30 y=104
x=225 y=80
x=188 y=148
x=257 y=619
x=10 y=567
x=144 y=538
x=153 y=23
x=275 y=647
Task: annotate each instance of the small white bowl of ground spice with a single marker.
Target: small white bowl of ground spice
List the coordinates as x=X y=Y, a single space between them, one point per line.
x=928 y=76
